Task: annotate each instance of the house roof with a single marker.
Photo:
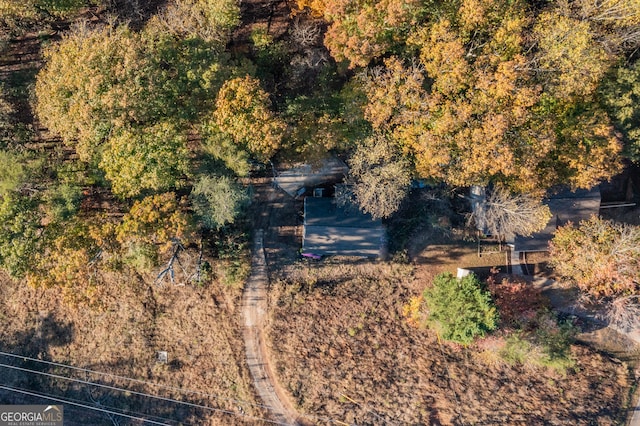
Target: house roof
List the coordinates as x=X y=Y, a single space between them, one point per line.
x=566 y=206
x=333 y=230
x=305 y=175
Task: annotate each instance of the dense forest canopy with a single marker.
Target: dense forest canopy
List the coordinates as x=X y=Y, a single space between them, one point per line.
x=524 y=94
x=164 y=117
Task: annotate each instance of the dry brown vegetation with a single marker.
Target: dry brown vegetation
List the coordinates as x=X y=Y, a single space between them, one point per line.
x=344 y=351
x=199 y=327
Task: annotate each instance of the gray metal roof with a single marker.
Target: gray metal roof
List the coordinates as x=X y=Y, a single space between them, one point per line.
x=566 y=206
x=306 y=175
x=333 y=230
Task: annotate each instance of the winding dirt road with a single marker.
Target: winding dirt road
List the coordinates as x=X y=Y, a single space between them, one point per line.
x=254 y=308
x=254 y=311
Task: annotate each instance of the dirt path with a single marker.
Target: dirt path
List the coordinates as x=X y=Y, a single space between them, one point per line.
x=254 y=306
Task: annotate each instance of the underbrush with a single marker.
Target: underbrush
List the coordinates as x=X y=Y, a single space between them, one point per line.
x=196 y=325
x=344 y=350
x=549 y=349
x=530 y=333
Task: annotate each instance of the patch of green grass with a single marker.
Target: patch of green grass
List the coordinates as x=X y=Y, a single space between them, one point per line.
x=547 y=343
x=516 y=350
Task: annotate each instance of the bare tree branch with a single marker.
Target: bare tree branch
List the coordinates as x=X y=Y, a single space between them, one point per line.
x=506 y=215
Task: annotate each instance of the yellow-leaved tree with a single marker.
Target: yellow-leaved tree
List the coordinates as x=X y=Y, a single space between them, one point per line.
x=243 y=125
x=154 y=158
x=472 y=110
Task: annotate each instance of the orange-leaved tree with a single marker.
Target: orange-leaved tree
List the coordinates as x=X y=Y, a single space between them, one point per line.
x=472 y=110
x=362 y=30
x=600 y=256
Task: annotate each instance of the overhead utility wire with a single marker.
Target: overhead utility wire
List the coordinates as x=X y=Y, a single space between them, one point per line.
x=190 y=404
x=86 y=370
x=89 y=407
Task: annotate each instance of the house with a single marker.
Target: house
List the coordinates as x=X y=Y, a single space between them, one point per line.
x=566 y=206
x=333 y=230
x=295 y=180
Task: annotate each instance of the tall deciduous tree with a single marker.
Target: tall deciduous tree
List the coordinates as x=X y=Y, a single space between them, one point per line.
x=616 y=23
x=243 y=124
x=506 y=214
x=96 y=82
x=155 y=220
x=210 y=20
x=154 y=158
x=380 y=176
x=600 y=256
x=20 y=233
x=571 y=63
x=217 y=201
x=12 y=172
x=362 y=30
x=12 y=10
x=80 y=91
x=471 y=111
x=621 y=97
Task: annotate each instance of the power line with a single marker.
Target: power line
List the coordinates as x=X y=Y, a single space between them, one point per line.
x=129 y=379
x=171 y=388
x=190 y=404
x=98 y=403
x=103 y=410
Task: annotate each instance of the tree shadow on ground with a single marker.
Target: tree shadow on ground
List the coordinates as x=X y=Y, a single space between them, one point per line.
x=18 y=365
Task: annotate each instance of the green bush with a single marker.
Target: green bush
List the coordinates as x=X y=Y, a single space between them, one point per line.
x=555 y=338
x=460 y=309
x=12 y=172
x=516 y=350
x=20 y=233
x=63 y=202
x=547 y=344
x=141 y=257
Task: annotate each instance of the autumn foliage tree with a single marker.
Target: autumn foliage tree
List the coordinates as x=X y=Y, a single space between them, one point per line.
x=614 y=23
x=570 y=60
x=153 y=158
x=601 y=257
x=470 y=109
x=80 y=92
x=363 y=30
x=96 y=82
x=15 y=13
x=155 y=220
x=243 y=125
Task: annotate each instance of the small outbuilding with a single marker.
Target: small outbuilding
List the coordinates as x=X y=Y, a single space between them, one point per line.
x=330 y=229
x=566 y=206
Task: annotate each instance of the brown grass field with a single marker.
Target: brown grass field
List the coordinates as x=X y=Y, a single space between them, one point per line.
x=345 y=352
x=198 y=326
